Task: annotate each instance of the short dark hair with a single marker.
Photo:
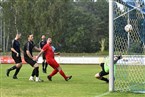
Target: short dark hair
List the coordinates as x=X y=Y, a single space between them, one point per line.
x=30 y=34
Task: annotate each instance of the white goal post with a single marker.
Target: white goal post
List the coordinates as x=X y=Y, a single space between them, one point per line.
x=111 y=45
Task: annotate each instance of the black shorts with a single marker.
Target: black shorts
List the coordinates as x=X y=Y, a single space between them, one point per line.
x=103 y=73
x=17 y=59
x=43 y=56
x=30 y=61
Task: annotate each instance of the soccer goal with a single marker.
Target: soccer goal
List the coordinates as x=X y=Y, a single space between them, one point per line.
x=128 y=32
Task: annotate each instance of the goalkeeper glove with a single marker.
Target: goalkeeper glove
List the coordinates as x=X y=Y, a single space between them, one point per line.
x=119 y=57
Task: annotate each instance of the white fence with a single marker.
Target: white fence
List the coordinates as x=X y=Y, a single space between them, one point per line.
x=77 y=60
x=97 y=60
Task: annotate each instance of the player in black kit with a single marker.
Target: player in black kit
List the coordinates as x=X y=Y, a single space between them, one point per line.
x=16 y=55
x=41 y=44
x=28 y=56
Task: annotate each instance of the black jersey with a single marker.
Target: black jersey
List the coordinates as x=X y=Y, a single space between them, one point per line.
x=16 y=46
x=28 y=46
x=42 y=43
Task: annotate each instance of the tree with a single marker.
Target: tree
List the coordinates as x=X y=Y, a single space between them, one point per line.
x=74 y=26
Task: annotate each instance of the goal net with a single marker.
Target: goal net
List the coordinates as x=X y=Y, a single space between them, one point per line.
x=130 y=71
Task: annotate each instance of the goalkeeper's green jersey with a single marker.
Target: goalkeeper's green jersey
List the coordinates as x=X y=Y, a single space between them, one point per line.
x=106 y=65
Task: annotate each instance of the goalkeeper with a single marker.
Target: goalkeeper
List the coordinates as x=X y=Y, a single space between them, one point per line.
x=105 y=68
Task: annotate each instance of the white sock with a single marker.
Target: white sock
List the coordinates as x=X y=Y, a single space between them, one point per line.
x=31 y=78
x=37 y=78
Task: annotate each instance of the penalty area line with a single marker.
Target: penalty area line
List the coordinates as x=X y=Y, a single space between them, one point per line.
x=103 y=94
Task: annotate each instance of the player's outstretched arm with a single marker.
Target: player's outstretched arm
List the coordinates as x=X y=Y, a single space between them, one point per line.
x=39 y=54
x=36 y=48
x=57 y=53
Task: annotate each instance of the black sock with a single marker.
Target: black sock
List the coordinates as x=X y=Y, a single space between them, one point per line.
x=37 y=71
x=46 y=65
x=43 y=63
x=104 y=79
x=33 y=72
x=17 y=71
x=12 y=68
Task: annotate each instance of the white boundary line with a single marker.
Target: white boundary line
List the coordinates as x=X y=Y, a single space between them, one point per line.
x=103 y=94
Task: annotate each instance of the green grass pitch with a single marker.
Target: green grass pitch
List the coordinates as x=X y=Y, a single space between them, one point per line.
x=82 y=84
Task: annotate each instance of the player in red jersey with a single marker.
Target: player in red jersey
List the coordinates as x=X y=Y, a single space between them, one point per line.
x=49 y=54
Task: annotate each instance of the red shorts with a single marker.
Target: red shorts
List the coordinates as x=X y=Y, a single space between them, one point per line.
x=52 y=63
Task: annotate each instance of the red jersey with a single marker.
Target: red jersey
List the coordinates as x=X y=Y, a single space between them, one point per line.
x=49 y=54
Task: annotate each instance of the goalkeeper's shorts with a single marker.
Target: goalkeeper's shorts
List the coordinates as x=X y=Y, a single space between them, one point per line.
x=103 y=73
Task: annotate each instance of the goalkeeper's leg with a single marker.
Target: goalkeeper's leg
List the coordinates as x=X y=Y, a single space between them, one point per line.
x=101 y=74
x=101 y=77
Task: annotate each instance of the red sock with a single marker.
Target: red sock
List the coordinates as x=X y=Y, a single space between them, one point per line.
x=62 y=74
x=53 y=72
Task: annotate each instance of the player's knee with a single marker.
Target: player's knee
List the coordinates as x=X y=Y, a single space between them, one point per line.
x=59 y=68
x=19 y=65
x=36 y=65
x=97 y=76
